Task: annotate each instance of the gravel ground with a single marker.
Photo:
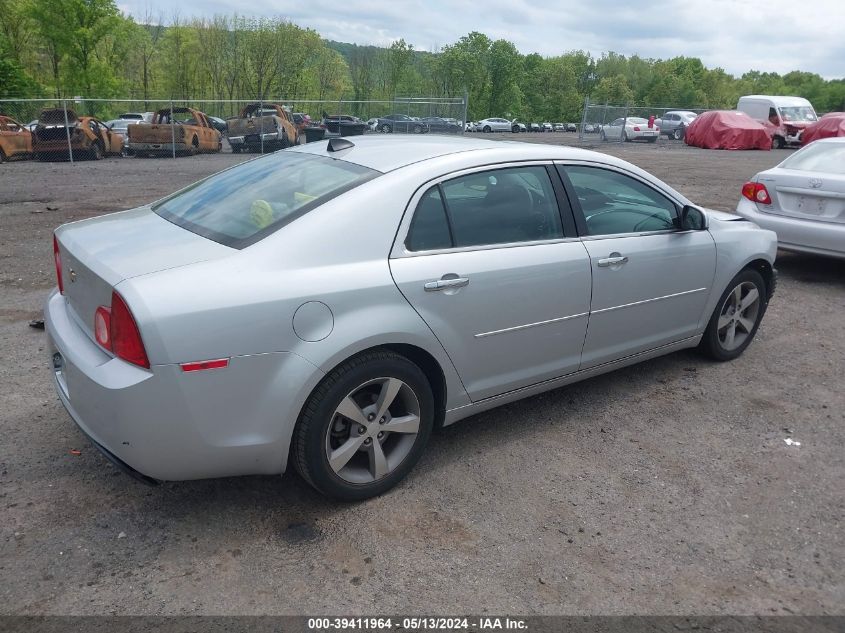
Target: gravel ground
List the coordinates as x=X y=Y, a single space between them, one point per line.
x=665 y=488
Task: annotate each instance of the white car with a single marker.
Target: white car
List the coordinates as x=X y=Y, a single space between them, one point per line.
x=493 y=124
x=630 y=129
x=802 y=199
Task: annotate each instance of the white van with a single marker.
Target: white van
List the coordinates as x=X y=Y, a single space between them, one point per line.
x=789 y=115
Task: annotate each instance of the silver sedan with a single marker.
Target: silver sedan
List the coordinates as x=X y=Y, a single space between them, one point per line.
x=327 y=306
x=802 y=199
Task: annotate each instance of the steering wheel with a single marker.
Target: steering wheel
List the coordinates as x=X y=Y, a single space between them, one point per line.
x=646 y=219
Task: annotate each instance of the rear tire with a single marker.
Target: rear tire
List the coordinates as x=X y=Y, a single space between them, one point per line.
x=236 y=149
x=96 y=151
x=678 y=133
x=778 y=142
x=737 y=316
x=2 y=155
x=357 y=387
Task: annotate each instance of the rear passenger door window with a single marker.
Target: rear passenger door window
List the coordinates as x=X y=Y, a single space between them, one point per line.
x=500 y=206
x=613 y=203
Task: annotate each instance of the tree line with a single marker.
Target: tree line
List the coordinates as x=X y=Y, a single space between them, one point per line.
x=56 y=48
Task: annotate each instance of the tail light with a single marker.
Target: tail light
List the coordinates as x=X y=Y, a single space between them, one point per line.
x=116 y=330
x=57 y=258
x=756 y=192
x=636 y=128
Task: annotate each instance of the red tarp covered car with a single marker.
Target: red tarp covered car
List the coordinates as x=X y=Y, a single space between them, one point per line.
x=832 y=124
x=727 y=129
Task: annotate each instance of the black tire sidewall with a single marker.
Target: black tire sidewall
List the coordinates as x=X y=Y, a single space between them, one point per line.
x=710 y=341
x=309 y=437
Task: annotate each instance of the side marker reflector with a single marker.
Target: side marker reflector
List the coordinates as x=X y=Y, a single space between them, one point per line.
x=200 y=365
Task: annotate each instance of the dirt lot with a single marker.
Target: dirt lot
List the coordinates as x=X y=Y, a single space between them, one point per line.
x=665 y=488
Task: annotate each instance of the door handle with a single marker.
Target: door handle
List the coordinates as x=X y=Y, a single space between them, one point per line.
x=615 y=258
x=443 y=284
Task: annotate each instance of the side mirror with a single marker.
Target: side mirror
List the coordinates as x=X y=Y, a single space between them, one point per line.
x=691 y=219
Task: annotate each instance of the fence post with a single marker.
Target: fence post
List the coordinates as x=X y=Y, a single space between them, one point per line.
x=584 y=118
x=466 y=111
x=172 y=131
x=625 y=123
x=67 y=132
x=261 y=118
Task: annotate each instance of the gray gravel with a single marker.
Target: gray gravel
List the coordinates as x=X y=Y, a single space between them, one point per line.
x=665 y=488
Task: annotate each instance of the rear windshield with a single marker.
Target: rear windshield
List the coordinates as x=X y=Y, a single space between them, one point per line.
x=242 y=205
x=821 y=157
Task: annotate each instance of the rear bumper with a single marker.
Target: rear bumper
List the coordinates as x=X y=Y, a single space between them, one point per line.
x=804 y=236
x=158 y=147
x=254 y=139
x=164 y=424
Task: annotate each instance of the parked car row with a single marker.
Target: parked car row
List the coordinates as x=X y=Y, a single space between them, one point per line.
x=496 y=124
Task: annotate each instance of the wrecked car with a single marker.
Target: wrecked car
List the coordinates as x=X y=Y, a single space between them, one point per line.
x=263 y=126
x=87 y=136
x=190 y=132
x=15 y=138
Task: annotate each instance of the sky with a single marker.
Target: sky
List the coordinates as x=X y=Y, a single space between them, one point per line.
x=736 y=35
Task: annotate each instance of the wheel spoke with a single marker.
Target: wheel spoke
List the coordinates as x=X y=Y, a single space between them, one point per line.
x=724 y=321
x=406 y=424
x=389 y=389
x=749 y=299
x=737 y=296
x=730 y=335
x=746 y=324
x=348 y=408
x=342 y=454
x=378 y=461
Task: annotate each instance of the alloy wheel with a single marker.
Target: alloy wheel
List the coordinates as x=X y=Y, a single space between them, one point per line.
x=738 y=315
x=373 y=430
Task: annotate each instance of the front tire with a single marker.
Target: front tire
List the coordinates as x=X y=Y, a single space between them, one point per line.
x=487 y=129
x=386 y=129
x=678 y=133
x=364 y=427
x=778 y=142
x=737 y=316
x=96 y=151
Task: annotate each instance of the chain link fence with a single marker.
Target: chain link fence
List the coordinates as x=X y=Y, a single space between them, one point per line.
x=79 y=128
x=620 y=123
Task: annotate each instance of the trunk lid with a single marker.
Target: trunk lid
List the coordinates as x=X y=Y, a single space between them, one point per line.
x=804 y=194
x=155 y=133
x=252 y=125
x=99 y=253
x=56 y=116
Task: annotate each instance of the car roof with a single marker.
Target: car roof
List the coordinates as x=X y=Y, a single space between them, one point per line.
x=386 y=153
x=779 y=100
